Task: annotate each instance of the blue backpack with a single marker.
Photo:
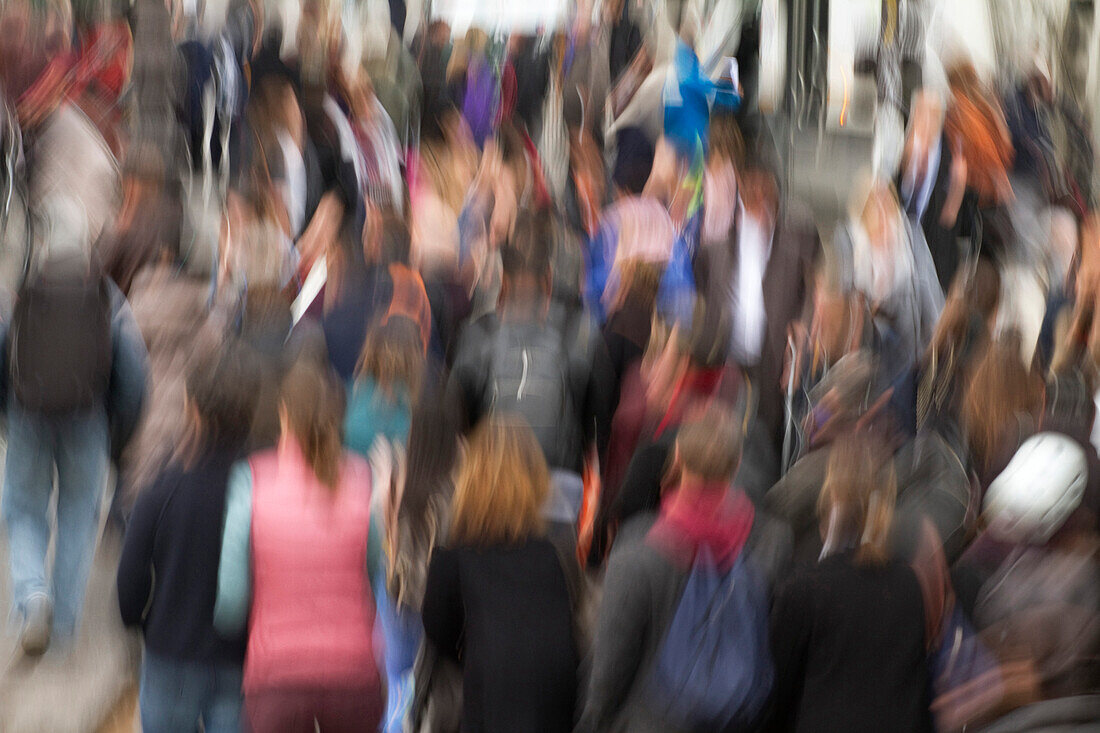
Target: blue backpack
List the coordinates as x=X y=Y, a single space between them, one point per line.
x=714 y=668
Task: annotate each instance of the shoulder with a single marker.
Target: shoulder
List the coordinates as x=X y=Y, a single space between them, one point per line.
x=259 y=460
x=633 y=557
x=356 y=468
x=153 y=499
x=475 y=337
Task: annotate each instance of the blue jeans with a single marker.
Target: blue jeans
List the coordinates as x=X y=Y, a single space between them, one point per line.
x=175 y=695
x=402 y=630
x=76 y=446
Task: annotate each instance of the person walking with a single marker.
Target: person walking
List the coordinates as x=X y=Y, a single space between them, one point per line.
x=168 y=572
x=497 y=599
x=293 y=566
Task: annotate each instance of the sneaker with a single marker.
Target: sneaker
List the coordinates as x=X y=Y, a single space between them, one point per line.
x=36 y=626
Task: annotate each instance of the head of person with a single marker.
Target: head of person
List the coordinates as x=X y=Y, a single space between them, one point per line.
x=220 y=395
x=526 y=273
x=387 y=240
x=708 y=450
x=502 y=488
x=393 y=357
x=311 y=416
x=856 y=507
x=759 y=190
x=727 y=145
x=1002 y=393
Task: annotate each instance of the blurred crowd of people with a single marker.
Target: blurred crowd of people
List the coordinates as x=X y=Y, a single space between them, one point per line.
x=437 y=403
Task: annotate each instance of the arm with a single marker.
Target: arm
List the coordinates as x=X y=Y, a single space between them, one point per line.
x=376 y=558
x=135 y=567
x=235 y=567
x=129 y=369
x=621 y=630
x=442 y=610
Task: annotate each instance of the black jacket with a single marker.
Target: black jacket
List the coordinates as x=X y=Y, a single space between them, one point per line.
x=505 y=614
x=168 y=572
x=848 y=642
x=590 y=375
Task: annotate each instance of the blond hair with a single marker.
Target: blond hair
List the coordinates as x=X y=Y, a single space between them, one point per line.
x=858 y=496
x=502 y=487
x=710 y=446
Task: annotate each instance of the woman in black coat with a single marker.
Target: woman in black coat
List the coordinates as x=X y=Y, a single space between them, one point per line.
x=497 y=599
x=848 y=634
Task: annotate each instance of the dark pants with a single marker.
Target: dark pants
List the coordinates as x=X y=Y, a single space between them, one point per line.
x=335 y=710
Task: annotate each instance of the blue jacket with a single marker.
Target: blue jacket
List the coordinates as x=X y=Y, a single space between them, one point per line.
x=688 y=96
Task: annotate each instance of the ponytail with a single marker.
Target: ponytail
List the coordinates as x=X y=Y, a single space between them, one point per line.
x=315 y=415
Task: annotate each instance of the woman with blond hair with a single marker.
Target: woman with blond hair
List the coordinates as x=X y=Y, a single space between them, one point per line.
x=497 y=598
x=848 y=635
x=294 y=551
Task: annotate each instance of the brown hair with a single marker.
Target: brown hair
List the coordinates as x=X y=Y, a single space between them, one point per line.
x=726 y=142
x=858 y=495
x=502 y=487
x=222 y=386
x=641 y=280
x=314 y=410
x=710 y=445
x=1001 y=390
x=393 y=357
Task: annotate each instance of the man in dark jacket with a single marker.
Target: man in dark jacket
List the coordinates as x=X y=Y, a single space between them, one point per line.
x=545 y=363
x=77 y=441
x=648 y=570
x=757 y=280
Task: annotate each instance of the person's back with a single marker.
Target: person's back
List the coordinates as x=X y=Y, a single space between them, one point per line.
x=168 y=572
x=308 y=626
x=848 y=634
x=293 y=567
x=172 y=528
x=497 y=600
x=549 y=366
x=519 y=662
x=654 y=591
x=861 y=631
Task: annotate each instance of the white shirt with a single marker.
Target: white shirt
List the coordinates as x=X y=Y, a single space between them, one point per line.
x=754 y=249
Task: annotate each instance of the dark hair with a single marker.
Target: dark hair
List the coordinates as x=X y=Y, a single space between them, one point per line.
x=985 y=288
x=223 y=385
x=393 y=238
x=527 y=251
x=312 y=400
x=511 y=144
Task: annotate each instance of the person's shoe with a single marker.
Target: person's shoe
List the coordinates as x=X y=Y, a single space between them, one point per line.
x=36 y=626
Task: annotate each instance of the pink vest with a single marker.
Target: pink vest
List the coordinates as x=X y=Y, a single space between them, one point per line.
x=312 y=610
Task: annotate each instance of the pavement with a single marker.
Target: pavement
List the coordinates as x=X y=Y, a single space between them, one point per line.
x=76 y=690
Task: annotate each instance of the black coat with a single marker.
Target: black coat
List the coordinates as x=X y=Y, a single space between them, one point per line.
x=504 y=613
x=849 y=647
